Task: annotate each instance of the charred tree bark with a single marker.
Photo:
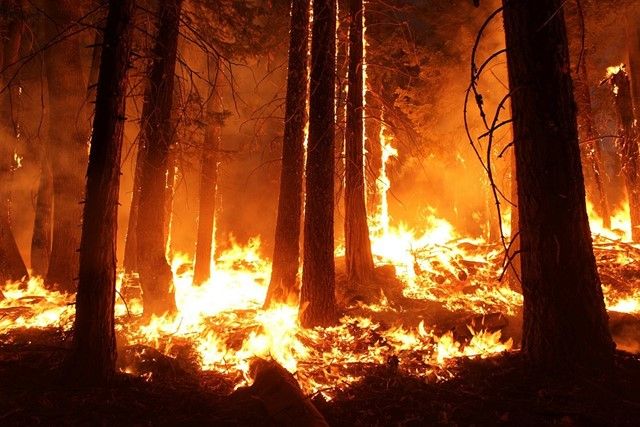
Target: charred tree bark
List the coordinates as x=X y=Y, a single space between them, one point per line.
x=589 y=142
x=93 y=355
x=286 y=252
x=156 y=136
x=208 y=190
x=41 y=239
x=564 y=311
x=67 y=146
x=12 y=266
x=359 y=259
x=317 y=295
x=627 y=145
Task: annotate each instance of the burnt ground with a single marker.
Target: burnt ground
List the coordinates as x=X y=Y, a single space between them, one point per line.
x=497 y=391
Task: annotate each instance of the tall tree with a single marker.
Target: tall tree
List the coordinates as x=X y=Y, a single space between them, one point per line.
x=12 y=266
x=68 y=138
x=94 y=343
x=627 y=144
x=565 y=321
x=208 y=181
x=633 y=46
x=358 y=245
x=317 y=295
x=156 y=136
x=595 y=172
x=41 y=238
x=286 y=252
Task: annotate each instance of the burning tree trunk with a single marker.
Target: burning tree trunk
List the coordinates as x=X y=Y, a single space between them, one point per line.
x=564 y=311
x=358 y=246
x=156 y=135
x=286 y=251
x=317 y=296
x=41 y=238
x=94 y=343
x=12 y=266
x=589 y=141
x=208 y=188
x=68 y=137
x=627 y=145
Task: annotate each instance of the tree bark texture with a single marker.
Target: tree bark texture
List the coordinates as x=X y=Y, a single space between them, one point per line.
x=286 y=252
x=156 y=136
x=359 y=259
x=565 y=321
x=317 y=295
x=94 y=343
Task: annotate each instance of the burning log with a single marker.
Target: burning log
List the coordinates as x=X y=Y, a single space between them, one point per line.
x=282 y=397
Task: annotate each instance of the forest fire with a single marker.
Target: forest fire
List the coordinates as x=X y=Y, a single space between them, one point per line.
x=319 y=212
x=223 y=320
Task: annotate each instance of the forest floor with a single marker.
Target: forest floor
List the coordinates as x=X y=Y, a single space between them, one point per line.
x=495 y=391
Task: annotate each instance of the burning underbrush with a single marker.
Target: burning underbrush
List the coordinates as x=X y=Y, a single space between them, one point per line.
x=437 y=297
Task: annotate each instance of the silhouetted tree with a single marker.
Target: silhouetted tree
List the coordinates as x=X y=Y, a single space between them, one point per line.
x=156 y=137
x=68 y=138
x=565 y=321
x=286 y=252
x=93 y=355
x=359 y=259
x=208 y=181
x=12 y=266
x=317 y=296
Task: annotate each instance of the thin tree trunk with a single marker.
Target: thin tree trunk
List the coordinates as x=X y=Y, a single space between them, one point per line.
x=628 y=146
x=317 y=295
x=633 y=46
x=12 y=266
x=130 y=262
x=373 y=148
x=67 y=146
x=595 y=173
x=564 y=311
x=157 y=132
x=208 y=184
x=41 y=239
x=286 y=252
x=359 y=259
x=93 y=355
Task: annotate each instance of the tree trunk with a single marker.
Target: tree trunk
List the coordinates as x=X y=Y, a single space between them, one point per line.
x=68 y=137
x=565 y=321
x=627 y=145
x=633 y=42
x=130 y=262
x=208 y=186
x=41 y=239
x=93 y=355
x=286 y=252
x=12 y=266
x=590 y=144
x=156 y=135
x=373 y=157
x=358 y=245
x=317 y=295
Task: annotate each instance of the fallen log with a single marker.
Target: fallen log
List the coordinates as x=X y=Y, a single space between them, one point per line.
x=282 y=397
